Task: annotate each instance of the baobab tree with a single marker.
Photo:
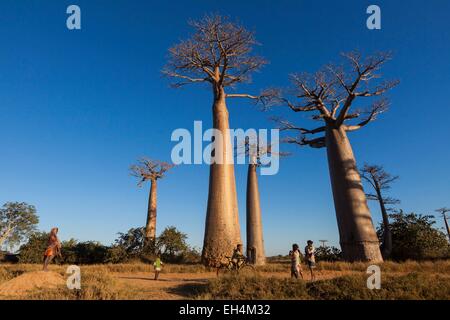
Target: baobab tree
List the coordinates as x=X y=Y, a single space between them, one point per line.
x=150 y=170
x=380 y=181
x=255 y=150
x=219 y=54
x=329 y=96
x=443 y=212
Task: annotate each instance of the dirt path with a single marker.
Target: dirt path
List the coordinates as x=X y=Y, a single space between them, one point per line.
x=175 y=286
x=170 y=286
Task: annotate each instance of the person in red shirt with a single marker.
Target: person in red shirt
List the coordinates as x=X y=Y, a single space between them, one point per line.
x=53 y=248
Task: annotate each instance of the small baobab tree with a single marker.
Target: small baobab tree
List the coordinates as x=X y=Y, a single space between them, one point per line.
x=329 y=95
x=380 y=181
x=150 y=170
x=256 y=150
x=443 y=212
x=219 y=54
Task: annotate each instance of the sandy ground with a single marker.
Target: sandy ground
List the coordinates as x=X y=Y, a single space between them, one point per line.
x=142 y=286
x=174 y=286
x=170 y=286
x=31 y=281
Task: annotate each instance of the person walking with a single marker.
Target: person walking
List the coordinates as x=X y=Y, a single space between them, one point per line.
x=53 y=248
x=158 y=266
x=296 y=267
x=310 y=256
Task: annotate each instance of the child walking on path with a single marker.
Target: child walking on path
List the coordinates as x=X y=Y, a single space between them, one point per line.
x=158 y=266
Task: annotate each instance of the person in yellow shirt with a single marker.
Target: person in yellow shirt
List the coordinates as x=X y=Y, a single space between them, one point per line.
x=158 y=266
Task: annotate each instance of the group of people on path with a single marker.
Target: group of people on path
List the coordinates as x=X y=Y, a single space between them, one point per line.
x=296 y=260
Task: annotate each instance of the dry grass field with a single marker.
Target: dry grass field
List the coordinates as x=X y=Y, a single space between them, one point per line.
x=408 y=280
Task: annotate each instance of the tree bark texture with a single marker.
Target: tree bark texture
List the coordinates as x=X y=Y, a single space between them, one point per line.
x=150 y=227
x=386 y=248
x=255 y=242
x=222 y=231
x=358 y=238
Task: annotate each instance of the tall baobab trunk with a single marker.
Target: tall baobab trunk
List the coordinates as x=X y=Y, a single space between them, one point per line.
x=222 y=231
x=386 y=248
x=255 y=242
x=150 y=227
x=358 y=239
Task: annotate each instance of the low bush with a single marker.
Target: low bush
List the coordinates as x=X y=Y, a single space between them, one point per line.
x=128 y=247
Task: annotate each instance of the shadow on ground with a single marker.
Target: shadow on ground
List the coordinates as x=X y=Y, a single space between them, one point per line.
x=189 y=290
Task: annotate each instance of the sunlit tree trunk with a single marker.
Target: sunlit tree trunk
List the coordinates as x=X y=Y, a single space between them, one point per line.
x=386 y=248
x=222 y=231
x=358 y=238
x=255 y=242
x=446 y=226
x=150 y=227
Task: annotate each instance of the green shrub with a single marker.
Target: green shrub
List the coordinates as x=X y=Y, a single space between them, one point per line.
x=72 y=252
x=33 y=250
x=415 y=238
x=330 y=254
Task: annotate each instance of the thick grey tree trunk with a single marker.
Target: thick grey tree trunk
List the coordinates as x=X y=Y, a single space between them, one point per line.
x=255 y=242
x=222 y=231
x=150 y=227
x=358 y=238
x=386 y=248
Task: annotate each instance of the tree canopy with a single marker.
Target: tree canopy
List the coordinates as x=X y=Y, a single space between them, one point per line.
x=414 y=237
x=380 y=180
x=18 y=220
x=219 y=52
x=172 y=242
x=147 y=170
x=331 y=93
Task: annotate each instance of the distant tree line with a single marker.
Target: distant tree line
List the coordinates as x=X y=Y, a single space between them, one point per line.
x=128 y=247
x=413 y=237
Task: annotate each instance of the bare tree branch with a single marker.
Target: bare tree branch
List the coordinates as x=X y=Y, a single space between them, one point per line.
x=266 y=97
x=285 y=125
x=364 y=71
x=147 y=169
x=189 y=80
x=302 y=141
x=443 y=211
x=255 y=150
x=377 y=108
x=377 y=177
x=242 y=95
x=218 y=52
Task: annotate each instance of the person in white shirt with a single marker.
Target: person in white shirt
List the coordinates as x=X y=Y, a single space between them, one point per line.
x=310 y=256
x=296 y=267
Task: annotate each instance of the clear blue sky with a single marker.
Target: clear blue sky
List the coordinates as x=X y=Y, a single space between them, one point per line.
x=78 y=107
